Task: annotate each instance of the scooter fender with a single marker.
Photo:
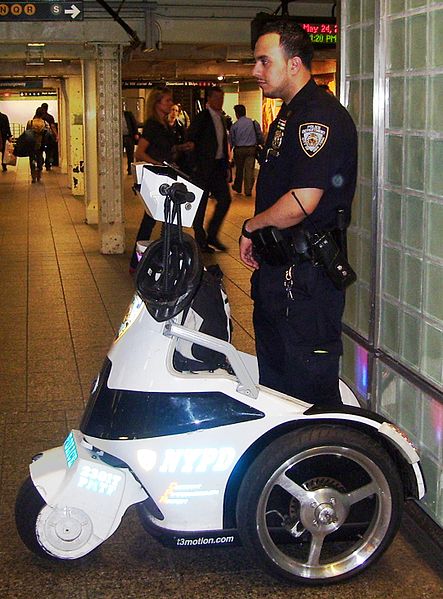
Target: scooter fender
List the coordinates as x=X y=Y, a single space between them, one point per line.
x=72 y=476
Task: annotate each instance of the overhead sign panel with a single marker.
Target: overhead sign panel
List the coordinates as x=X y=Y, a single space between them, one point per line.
x=323 y=31
x=41 y=10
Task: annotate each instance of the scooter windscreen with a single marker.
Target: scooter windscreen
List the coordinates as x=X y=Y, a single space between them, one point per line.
x=169 y=275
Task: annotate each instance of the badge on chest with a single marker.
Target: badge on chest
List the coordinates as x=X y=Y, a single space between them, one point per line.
x=313 y=137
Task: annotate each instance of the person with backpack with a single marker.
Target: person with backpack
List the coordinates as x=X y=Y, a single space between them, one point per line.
x=38 y=127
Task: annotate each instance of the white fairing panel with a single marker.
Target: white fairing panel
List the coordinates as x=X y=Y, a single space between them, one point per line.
x=71 y=479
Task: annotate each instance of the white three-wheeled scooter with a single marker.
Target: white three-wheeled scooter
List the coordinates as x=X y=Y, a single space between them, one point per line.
x=209 y=456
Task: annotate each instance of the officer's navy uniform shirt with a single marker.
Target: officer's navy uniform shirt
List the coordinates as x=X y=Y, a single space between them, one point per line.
x=319 y=149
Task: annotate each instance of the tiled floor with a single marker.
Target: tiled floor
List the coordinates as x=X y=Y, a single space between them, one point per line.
x=60 y=304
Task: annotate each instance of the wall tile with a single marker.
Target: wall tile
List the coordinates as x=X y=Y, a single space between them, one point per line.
x=364 y=261
x=435 y=110
x=432 y=356
x=354 y=105
x=365 y=157
x=410 y=336
x=412 y=281
x=396 y=44
x=415 y=162
x=367 y=102
x=433 y=303
x=387 y=392
x=364 y=310
x=394 y=159
x=354 y=51
x=350 y=314
x=413 y=222
x=432 y=427
x=392 y=216
x=391 y=271
x=366 y=207
x=354 y=11
x=416 y=94
x=418 y=40
x=409 y=400
x=435 y=166
x=396 y=102
x=395 y=6
x=431 y=473
x=437 y=34
x=368 y=9
x=389 y=331
x=435 y=230
x=368 y=49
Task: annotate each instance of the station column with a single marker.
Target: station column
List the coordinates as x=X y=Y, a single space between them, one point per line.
x=109 y=142
x=91 y=157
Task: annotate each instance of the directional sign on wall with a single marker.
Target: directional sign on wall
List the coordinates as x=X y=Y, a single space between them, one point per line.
x=41 y=10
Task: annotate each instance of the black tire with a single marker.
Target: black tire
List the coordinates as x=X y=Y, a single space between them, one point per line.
x=320 y=505
x=28 y=506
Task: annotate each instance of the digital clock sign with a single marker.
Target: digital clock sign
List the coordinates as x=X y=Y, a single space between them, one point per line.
x=323 y=31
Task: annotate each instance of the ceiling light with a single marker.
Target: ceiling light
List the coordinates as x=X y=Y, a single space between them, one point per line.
x=34 y=57
x=55 y=60
x=36 y=44
x=220 y=77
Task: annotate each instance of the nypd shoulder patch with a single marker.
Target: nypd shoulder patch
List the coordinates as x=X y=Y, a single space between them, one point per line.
x=313 y=137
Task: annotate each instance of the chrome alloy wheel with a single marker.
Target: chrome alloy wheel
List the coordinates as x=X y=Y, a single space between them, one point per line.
x=324 y=511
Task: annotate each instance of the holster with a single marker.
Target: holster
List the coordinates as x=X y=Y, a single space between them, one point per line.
x=281 y=247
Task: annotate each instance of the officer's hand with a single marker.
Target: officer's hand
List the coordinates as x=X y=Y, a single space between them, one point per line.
x=246 y=253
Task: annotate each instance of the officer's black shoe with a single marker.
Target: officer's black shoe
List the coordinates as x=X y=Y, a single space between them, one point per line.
x=4 y=168
x=217 y=244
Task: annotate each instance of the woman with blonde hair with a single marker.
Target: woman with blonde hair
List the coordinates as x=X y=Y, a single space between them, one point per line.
x=156 y=145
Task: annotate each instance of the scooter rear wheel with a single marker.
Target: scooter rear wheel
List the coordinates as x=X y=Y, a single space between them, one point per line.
x=320 y=505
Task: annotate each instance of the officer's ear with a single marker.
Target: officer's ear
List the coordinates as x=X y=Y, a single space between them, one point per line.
x=295 y=64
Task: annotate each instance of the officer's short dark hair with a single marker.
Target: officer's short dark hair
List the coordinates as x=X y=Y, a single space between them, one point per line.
x=240 y=110
x=216 y=88
x=294 y=40
x=44 y=106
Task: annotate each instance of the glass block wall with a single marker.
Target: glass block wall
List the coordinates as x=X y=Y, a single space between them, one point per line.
x=392 y=83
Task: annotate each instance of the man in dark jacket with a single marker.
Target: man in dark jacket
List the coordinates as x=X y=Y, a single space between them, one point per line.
x=5 y=135
x=208 y=134
x=51 y=138
x=130 y=136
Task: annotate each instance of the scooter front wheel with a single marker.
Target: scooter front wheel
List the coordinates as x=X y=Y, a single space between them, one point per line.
x=320 y=505
x=48 y=532
x=28 y=505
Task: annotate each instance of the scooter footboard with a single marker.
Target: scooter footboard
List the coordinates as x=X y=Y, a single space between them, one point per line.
x=72 y=478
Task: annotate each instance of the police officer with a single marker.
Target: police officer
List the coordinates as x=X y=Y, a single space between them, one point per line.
x=310 y=164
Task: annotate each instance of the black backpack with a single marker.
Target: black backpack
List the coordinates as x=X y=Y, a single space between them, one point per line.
x=209 y=312
x=25 y=144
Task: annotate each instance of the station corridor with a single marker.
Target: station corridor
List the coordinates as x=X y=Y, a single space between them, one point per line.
x=61 y=302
